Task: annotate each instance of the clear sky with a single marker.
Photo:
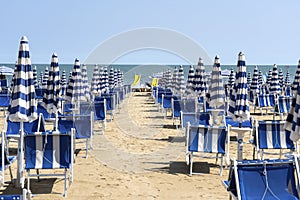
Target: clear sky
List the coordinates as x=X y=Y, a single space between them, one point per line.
x=266 y=31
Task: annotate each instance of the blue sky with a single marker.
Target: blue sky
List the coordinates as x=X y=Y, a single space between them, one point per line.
x=267 y=31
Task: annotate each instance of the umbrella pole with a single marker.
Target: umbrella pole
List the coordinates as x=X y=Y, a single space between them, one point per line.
x=20 y=177
x=240 y=141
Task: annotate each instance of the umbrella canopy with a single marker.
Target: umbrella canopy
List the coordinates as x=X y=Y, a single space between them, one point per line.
x=45 y=78
x=63 y=83
x=296 y=79
x=168 y=79
x=180 y=83
x=274 y=85
x=280 y=78
x=174 y=80
x=287 y=78
x=95 y=81
x=292 y=123
x=254 y=84
x=40 y=80
x=6 y=70
x=200 y=79
x=249 y=79
x=74 y=92
x=104 y=80
x=217 y=91
x=35 y=77
x=260 y=78
x=51 y=95
x=23 y=106
x=111 y=78
x=269 y=77
x=239 y=105
x=116 y=82
x=190 y=81
x=231 y=79
x=85 y=82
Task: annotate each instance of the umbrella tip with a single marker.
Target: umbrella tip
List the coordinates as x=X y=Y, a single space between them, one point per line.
x=24 y=38
x=241 y=53
x=54 y=55
x=217 y=57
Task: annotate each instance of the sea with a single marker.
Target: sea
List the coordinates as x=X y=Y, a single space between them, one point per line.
x=147 y=71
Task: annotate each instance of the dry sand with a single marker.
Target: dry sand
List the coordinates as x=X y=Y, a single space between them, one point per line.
x=140 y=156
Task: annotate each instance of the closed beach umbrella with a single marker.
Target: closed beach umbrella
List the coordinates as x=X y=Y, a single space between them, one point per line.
x=216 y=88
x=85 y=82
x=296 y=79
x=274 y=85
x=23 y=105
x=239 y=105
x=200 y=79
x=260 y=78
x=231 y=79
x=51 y=95
x=168 y=77
x=63 y=83
x=174 y=80
x=74 y=92
x=280 y=78
x=116 y=82
x=287 y=78
x=120 y=83
x=181 y=82
x=45 y=78
x=111 y=79
x=269 y=77
x=292 y=123
x=190 y=81
x=40 y=80
x=95 y=81
x=249 y=79
x=254 y=84
x=35 y=83
x=105 y=81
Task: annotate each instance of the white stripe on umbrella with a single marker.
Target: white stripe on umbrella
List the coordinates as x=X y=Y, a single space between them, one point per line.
x=217 y=92
x=51 y=95
x=239 y=105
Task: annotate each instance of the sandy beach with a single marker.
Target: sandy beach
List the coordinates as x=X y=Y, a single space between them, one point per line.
x=141 y=155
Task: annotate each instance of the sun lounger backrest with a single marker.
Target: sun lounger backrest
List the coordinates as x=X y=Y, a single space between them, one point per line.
x=265 y=100
x=5 y=100
x=284 y=104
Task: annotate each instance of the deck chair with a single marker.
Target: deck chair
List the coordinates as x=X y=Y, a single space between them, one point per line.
x=110 y=104
x=166 y=104
x=100 y=113
x=263 y=179
x=6 y=160
x=194 y=118
x=271 y=135
x=265 y=102
x=49 y=150
x=22 y=196
x=4 y=102
x=176 y=111
x=205 y=140
x=83 y=126
x=47 y=116
x=283 y=106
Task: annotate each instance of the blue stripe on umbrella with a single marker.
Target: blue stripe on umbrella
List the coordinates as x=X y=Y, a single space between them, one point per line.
x=239 y=105
x=274 y=85
x=51 y=95
x=217 y=92
x=74 y=90
x=23 y=104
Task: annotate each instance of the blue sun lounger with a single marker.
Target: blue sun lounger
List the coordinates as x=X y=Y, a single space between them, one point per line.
x=263 y=179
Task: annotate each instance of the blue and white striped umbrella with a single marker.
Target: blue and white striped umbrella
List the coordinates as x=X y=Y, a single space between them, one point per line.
x=231 y=79
x=85 y=83
x=216 y=88
x=95 y=81
x=45 y=78
x=280 y=78
x=239 y=106
x=254 y=84
x=35 y=83
x=120 y=82
x=51 y=95
x=181 y=82
x=23 y=105
x=296 y=79
x=105 y=81
x=260 y=78
x=190 y=81
x=74 y=92
x=274 y=85
x=168 y=78
x=40 y=80
x=116 y=82
x=63 y=83
x=200 y=83
x=111 y=78
x=174 y=80
x=292 y=123
x=269 y=77
x=287 y=78
x=249 y=79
